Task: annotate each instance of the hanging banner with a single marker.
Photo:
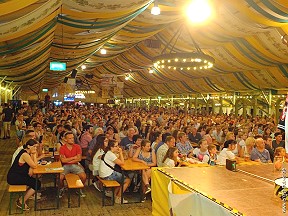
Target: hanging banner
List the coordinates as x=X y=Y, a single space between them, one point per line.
x=108 y=80
x=118 y=90
x=105 y=93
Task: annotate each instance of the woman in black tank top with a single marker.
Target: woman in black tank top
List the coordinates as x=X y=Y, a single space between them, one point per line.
x=19 y=174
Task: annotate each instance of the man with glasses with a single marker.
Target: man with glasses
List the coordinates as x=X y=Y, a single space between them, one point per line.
x=70 y=156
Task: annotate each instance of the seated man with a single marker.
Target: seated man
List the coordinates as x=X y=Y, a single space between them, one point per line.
x=259 y=153
x=70 y=155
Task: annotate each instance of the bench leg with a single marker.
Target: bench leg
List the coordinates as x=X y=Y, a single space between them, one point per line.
x=79 y=196
x=113 y=196
x=10 y=203
x=68 y=198
x=103 y=195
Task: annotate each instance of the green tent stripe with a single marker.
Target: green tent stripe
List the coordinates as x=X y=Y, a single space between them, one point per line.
x=213 y=86
x=35 y=35
x=187 y=87
x=25 y=61
x=30 y=42
x=264 y=13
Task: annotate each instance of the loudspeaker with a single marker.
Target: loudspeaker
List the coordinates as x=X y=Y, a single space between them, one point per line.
x=65 y=79
x=73 y=74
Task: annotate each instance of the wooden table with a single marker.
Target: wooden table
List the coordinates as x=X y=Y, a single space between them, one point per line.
x=50 y=168
x=130 y=165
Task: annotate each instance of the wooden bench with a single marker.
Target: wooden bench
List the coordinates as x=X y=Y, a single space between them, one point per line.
x=73 y=182
x=108 y=184
x=16 y=189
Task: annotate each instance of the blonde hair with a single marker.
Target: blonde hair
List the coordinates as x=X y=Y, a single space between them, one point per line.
x=250 y=141
x=278 y=150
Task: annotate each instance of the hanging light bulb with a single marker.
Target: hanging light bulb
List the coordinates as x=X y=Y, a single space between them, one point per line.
x=155 y=10
x=103 y=51
x=151 y=71
x=83 y=67
x=127 y=77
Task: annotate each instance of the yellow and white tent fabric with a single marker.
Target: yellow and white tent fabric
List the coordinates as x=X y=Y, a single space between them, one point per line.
x=244 y=37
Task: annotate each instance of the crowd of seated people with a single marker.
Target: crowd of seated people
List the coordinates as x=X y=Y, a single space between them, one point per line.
x=155 y=137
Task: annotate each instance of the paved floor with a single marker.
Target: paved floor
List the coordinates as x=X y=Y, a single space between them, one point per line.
x=90 y=205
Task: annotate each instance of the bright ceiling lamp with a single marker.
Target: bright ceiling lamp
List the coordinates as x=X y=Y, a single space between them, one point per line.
x=103 y=51
x=199 y=11
x=155 y=10
x=83 y=67
x=151 y=71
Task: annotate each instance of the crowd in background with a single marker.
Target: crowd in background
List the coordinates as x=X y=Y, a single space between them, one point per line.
x=155 y=137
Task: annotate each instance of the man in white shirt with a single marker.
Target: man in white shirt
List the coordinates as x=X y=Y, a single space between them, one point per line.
x=169 y=142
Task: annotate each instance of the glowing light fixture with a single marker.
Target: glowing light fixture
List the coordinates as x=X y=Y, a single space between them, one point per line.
x=151 y=71
x=197 y=59
x=127 y=76
x=199 y=11
x=83 y=67
x=103 y=51
x=155 y=10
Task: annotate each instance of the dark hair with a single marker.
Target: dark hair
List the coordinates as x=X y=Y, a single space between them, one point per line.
x=135 y=137
x=29 y=131
x=30 y=142
x=169 y=153
x=67 y=133
x=111 y=144
x=277 y=134
x=155 y=135
x=164 y=136
x=266 y=137
x=258 y=136
x=229 y=142
x=67 y=127
x=99 y=144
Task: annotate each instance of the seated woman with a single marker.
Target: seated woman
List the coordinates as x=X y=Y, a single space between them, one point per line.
x=171 y=158
x=202 y=150
x=246 y=150
x=137 y=139
x=226 y=152
x=108 y=162
x=20 y=173
x=97 y=152
x=211 y=157
x=148 y=157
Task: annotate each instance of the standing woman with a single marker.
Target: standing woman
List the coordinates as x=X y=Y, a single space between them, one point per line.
x=20 y=173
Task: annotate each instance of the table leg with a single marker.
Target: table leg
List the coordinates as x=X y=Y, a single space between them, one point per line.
x=36 y=190
x=122 y=185
x=141 y=182
x=58 y=190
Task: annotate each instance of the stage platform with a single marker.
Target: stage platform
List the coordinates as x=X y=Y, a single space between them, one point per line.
x=245 y=193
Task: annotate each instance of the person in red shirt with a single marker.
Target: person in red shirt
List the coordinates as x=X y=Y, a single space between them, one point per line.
x=70 y=156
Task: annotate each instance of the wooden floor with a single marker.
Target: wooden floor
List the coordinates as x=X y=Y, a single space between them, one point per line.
x=90 y=205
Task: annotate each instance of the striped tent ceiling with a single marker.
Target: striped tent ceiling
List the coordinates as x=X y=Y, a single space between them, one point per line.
x=244 y=37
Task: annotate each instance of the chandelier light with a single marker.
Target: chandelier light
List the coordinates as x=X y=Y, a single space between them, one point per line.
x=196 y=60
